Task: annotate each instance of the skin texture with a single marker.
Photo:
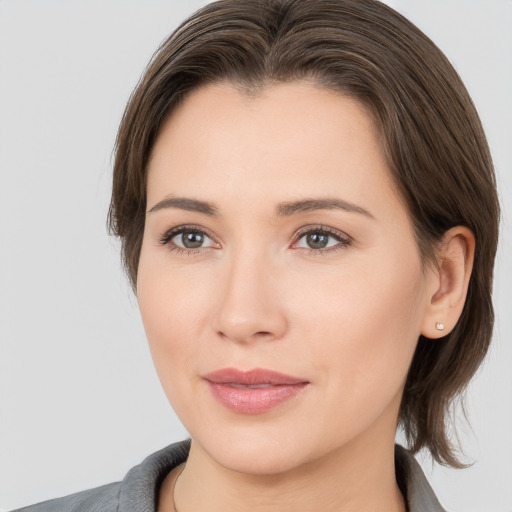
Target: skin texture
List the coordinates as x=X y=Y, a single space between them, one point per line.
x=345 y=318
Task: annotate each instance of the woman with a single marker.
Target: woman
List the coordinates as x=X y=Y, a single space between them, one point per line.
x=309 y=219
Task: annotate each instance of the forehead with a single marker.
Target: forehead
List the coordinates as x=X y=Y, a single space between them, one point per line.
x=287 y=139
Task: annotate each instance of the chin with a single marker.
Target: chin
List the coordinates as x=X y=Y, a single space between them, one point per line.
x=257 y=451
x=255 y=460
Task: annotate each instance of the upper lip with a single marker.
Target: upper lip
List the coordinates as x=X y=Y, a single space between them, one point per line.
x=251 y=377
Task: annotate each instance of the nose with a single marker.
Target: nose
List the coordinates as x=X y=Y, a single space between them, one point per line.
x=249 y=307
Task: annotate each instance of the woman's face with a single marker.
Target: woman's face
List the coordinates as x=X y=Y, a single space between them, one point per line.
x=275 y=242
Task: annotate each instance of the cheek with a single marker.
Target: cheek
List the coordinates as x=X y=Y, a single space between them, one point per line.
x=173 y=304
x=363 y=323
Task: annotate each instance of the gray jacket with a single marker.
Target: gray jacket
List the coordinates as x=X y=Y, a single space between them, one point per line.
x=138 y=491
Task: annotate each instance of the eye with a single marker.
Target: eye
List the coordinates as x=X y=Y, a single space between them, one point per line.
x=322 y=239
x=190 y=239
x=187 y=238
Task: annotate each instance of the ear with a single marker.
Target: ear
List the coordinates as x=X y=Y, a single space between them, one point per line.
x=448 y=285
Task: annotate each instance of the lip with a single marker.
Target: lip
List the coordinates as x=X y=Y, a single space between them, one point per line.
x=254 y=391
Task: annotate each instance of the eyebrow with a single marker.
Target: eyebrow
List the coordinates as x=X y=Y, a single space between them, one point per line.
x=185 y=203
x=283 y=210
x=306 y=205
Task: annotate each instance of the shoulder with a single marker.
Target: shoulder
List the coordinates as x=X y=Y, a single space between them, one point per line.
x=137 y=491
x=104 y=499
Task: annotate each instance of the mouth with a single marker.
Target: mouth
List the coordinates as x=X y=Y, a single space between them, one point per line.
x=255 y=391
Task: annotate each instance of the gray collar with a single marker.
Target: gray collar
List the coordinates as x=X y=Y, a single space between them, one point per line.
x=413 y=483
x=139 y=489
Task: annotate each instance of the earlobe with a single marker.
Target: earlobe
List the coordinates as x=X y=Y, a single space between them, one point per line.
x=449 y=283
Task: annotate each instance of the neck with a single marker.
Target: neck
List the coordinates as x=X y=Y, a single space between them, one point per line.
x=359 y=476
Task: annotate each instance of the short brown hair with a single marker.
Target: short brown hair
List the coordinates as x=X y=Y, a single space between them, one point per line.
x=433 y=139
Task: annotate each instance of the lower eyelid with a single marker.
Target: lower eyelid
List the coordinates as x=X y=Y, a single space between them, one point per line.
x=338 y=245
x=183 y=250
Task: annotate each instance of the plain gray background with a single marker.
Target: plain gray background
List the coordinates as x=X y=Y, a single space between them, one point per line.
x=80 y=402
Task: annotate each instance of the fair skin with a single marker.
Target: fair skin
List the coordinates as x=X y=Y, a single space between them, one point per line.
x=334 y=296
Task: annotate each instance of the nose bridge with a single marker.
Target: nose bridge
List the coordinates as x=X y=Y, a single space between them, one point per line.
x=249 y=302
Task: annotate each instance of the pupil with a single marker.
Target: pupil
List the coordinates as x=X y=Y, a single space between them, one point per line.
x=192 y=239
x=317 y=240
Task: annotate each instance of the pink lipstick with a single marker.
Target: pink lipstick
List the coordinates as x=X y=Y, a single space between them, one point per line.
x=252 y=392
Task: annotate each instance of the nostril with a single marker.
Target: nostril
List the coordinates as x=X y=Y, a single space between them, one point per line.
x=246 y=336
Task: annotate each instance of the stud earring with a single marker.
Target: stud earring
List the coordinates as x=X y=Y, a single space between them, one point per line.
x=439 y=326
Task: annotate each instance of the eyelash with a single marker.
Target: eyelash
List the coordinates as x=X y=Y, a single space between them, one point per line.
x=169 y=235
x=342 y=239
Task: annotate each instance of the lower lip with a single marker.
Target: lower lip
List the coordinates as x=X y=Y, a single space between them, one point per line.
x=247 y=400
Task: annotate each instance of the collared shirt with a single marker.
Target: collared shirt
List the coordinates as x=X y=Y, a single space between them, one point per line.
x=138 y=491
